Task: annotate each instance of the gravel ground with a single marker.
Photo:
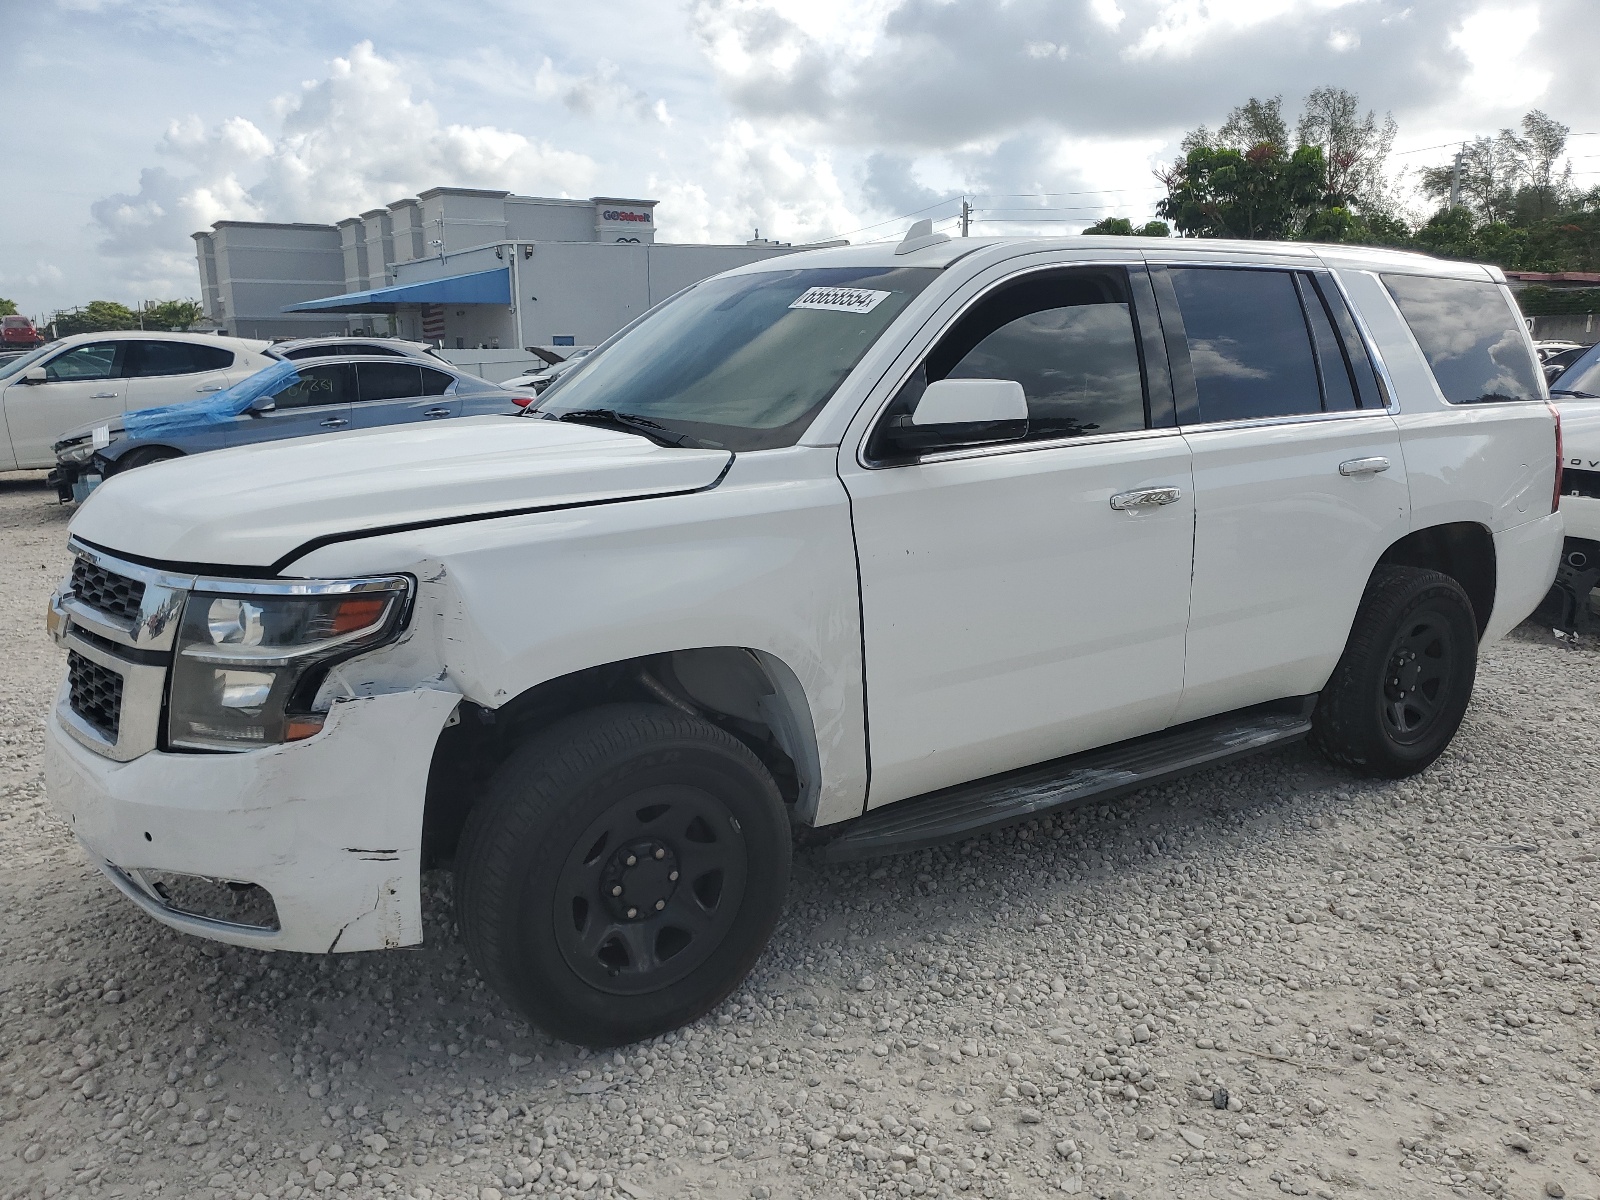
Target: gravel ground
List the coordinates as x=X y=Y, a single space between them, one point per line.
x=1270 y=976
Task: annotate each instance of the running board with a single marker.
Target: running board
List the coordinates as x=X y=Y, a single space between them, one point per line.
x=971 y=808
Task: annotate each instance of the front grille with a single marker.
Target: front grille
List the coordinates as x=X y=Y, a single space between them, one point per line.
x=110 y=593
x=95 y=694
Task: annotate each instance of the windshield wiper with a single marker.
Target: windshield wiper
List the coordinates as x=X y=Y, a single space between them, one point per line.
x=1570 y=392
x=610 y=418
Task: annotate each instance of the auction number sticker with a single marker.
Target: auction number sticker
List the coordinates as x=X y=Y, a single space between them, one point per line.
x=833 y=299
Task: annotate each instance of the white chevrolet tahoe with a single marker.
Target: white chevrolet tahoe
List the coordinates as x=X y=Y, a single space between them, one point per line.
x=865 y=548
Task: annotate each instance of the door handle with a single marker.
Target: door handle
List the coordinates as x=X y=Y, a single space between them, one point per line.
x=104 y=396
x=209 y=387
x=1142 y=498
x=437 y=412
x=334 y=422
x=1363 y=466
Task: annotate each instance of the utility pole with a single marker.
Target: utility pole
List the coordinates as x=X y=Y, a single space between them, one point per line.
x=1455 y=177
x=966 y=218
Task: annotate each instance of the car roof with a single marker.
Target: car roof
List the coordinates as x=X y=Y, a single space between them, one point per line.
x=162 y=335
x=942 y=253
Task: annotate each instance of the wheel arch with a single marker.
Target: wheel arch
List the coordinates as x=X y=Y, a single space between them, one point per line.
x=1463 y=550
x=753 y=694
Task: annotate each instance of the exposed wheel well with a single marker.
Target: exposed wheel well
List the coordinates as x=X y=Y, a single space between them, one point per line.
x=752 y=695
x=1463 y=550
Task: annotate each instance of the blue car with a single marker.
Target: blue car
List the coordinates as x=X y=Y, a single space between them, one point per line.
x=286 y=400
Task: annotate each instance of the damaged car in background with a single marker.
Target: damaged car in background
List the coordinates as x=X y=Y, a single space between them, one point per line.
x=290 y=399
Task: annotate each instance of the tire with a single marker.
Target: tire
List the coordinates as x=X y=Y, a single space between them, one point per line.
x=143 y=457
x=1404 y=681
x=588 y=827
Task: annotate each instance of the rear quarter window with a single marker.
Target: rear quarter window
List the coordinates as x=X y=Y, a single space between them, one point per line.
x=1471 y=336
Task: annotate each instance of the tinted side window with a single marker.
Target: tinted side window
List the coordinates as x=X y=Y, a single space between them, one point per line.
x=210 y=358
x=320 y=384
x=1068 y=339
x=388 y=381
x=148 y=359
x=435 y=383
x=1470 y=335
x=307 y=352
x=94 y=360
x=1338 y=390
x=1248 y=343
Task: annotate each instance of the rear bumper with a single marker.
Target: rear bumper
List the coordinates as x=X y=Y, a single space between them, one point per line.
x=1582 y=517
x=1526 y=556
x=331 y=827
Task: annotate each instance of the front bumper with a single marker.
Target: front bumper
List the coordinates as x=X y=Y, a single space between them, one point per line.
x=331 y=826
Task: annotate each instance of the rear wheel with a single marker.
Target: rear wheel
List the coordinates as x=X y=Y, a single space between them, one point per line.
x=623 y=874
x=143 y=457
x=1403 y=683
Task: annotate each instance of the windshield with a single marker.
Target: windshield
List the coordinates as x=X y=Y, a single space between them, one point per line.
x=1582 y=378
x=7 y=370
x=744 y=361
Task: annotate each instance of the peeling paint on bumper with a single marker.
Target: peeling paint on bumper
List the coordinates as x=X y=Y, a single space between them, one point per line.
x=331 y=826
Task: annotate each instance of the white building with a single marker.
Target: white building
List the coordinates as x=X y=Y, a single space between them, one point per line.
x=491 y=278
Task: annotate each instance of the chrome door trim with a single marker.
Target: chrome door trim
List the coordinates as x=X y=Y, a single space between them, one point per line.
x=1129 y=435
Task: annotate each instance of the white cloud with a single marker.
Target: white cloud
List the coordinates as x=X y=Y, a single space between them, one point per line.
x=355 y=139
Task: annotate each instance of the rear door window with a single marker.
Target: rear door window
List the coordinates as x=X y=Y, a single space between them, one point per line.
x=388 y=381
x=148 y=359
x=319 y=384
x=1248 y=343
x=1471 y=336
x=436 y=383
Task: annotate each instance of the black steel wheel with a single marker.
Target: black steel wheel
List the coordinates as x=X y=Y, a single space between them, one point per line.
x=1401 y=688
x=623 y=873
x=651 y=889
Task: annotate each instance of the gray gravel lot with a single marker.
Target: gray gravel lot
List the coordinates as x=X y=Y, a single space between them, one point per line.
x=1273 y=976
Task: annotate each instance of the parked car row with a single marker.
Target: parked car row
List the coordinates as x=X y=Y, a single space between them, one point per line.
x=290 y=398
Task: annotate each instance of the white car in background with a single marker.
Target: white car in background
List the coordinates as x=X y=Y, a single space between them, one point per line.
x=93 y=377
x=545 y=376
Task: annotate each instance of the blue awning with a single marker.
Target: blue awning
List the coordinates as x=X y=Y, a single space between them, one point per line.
x=480 y=287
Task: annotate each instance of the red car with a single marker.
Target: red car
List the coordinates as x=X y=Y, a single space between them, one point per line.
x=18 y=333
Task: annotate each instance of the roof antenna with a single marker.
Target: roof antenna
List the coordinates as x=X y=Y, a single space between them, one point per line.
x=919 y=235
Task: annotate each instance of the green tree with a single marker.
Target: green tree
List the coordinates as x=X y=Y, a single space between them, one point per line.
x=1260 y=193
x=1122 y=227
x=1355 y=147
x=175 y=315
x=8 y=308
x=95 y=317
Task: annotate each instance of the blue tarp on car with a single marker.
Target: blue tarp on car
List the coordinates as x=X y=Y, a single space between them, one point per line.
x=480 y=287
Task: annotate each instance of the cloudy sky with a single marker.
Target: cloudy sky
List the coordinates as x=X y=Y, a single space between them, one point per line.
x=129 y=125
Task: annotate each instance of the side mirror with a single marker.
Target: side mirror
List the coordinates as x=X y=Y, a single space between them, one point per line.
x=35 y=375
x=262 y=404
x=956 y=413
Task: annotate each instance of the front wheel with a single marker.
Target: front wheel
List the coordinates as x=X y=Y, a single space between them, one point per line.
x=623 y=874
x=1403 y=683
x=143 y=457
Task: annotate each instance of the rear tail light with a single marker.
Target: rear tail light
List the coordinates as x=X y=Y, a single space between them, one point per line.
x=1555 y=499
x=523 y=401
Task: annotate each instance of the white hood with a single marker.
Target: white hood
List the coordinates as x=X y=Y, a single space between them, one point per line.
x=255 y=505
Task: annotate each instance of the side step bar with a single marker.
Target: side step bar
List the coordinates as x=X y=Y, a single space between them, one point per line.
x=971 y=808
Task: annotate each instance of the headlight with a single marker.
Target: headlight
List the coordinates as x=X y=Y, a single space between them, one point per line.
x=248 y=664
x=79 y=450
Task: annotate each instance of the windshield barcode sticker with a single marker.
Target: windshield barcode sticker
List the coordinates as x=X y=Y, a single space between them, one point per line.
x=856 y=300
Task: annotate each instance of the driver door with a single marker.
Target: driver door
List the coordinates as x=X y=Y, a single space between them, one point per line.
x=1010 y=613
x=82 y=385
x=319 y=401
